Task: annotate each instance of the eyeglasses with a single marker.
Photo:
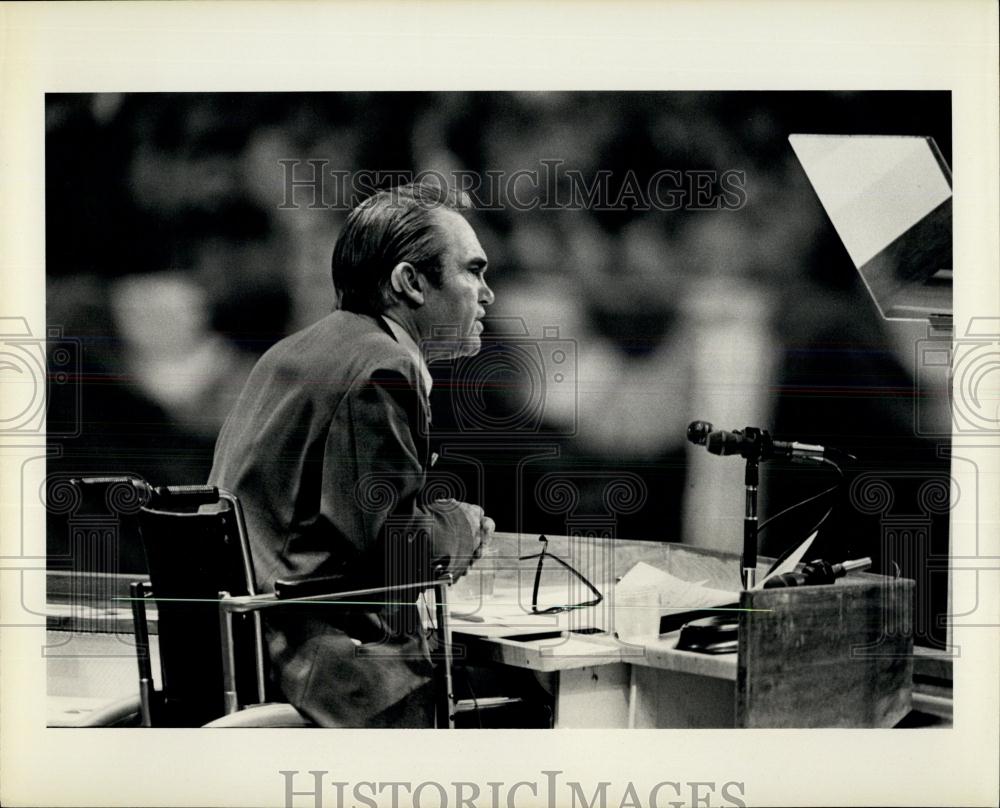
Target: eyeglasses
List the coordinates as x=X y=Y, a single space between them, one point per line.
x=598 y=597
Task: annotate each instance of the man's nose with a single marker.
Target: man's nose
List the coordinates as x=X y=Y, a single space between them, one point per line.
x=486 y=296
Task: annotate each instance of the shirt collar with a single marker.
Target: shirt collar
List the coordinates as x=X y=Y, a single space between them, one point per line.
x=403 y=338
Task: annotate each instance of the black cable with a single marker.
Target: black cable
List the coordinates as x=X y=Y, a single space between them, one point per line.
x=819 y=524
x=805 y=501
x=791 y=549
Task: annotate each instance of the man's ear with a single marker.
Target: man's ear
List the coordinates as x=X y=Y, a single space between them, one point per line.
x=408 y=283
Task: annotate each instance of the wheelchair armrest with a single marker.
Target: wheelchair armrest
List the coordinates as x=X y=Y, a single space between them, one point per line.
x=293 y=592
x=333 y=586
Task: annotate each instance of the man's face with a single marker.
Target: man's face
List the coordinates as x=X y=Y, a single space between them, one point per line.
x=451 y=315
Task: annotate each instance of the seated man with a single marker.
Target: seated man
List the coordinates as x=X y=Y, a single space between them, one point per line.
x=327 y=448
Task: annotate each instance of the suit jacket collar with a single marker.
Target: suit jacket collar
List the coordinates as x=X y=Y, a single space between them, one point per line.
x=403 y=338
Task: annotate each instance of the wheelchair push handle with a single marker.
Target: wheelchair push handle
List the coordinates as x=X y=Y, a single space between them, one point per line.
x=188 y=494
x=154 y=496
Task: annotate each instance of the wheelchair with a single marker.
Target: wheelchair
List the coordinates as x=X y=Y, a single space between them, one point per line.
x=213 y=668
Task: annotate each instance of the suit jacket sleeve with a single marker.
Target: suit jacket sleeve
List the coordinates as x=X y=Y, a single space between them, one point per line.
x=374 y=473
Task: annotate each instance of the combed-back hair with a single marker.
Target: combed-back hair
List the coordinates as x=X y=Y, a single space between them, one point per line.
x=392 y=225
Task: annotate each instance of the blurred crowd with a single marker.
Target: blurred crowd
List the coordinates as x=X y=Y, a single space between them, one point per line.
x=178 y=251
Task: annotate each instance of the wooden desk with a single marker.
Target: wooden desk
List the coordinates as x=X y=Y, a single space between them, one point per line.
x=823 y=656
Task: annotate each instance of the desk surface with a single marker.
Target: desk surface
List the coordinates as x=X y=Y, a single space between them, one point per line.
x=503 y=630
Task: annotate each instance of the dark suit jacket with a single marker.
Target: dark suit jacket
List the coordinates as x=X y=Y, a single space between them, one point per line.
x=327 y=450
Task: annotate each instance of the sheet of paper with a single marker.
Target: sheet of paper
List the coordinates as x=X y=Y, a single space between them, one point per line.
x=675 y=593
x=789 y=564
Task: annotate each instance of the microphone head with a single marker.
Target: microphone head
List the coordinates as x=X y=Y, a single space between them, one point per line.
x=698 y=432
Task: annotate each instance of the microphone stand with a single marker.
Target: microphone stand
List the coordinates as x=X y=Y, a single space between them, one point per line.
x=748 y=560
x=753 y=445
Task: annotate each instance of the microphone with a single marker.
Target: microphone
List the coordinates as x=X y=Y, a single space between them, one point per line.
x=817 y=572
x=753 y=442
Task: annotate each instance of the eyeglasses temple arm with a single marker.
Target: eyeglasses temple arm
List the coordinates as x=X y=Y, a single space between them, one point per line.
x=577 y=573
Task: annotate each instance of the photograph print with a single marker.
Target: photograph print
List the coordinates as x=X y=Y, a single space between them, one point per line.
x=499 y=410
